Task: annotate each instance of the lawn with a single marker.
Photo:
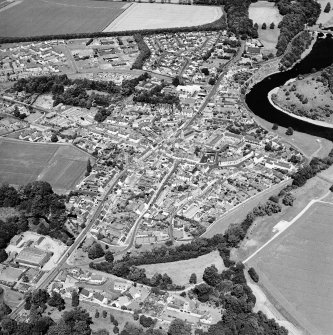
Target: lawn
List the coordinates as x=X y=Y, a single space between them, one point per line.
x=297 y=269
x=23 y=162
x=181 y=271
x=265 y=12
x=46 y=17
x=151 y=16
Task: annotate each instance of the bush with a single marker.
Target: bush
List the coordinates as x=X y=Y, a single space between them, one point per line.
x=95 y=251
x=253 y=274
x=289 y=131
x=97 y=314
x=275 y=126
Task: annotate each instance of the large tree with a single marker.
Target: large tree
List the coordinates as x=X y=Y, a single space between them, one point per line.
x=179 y=327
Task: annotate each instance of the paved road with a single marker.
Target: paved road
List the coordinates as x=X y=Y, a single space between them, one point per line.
x=44 y=282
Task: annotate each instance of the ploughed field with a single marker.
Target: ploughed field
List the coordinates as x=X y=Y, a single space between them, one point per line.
x=47 y=17
x=62 y=166
x=296 y=270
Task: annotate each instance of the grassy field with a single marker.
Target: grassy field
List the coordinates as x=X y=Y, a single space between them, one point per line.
x=10 y=297
x=264 y=11
x=44 y=17
x=320 y=98
x=297 y=269
x=151 y=16
x=181 y=271
x=60 y=165
x=261 y=231
x=325 y=18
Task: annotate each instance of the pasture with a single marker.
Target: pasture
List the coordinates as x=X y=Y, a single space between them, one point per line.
x=152 y=16
x=181 y=271
x=47 y=17
x=297 y=269
x=22 y=162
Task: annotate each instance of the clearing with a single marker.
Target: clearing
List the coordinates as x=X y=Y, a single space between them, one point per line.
x=152 y=16
x=325 y=18
x=294 y=266
x=181 y=271
x=307 y=97
x=264 y=11
x=47 y=17
x=63 y=166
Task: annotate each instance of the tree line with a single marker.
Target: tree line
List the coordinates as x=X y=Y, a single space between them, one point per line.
x=297 y=46
x=295 y=15
x=218 y=24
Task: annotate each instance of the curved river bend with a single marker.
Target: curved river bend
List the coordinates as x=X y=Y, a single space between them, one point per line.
x=320 y=57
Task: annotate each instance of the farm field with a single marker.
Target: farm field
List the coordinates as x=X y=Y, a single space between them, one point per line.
x=46 y=17
x=264 y=11
x=23 y=162
x=152 y=16
x=181 y=271
x=294 y=266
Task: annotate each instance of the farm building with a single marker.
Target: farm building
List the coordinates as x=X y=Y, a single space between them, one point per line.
x=32 y=257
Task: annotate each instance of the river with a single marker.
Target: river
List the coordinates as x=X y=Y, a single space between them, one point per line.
x=320 y=57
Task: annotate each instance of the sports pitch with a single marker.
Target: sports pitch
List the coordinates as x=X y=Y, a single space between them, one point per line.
x=296 y=269
x=47 y=17
x=62 y=166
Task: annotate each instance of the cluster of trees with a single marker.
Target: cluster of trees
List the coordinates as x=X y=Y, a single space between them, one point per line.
x=238 y=18
x=327 y=8
x=230 y=291
x=125 y=269
x=74 y=322
x=36 y=202
x=309 y=171
x=144 y=52
x=297 y=46
x=327 y=77
x=295 y=15
x=76 y=93
x=155 y=96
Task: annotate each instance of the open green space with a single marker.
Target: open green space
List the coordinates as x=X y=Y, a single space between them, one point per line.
x=262 y=229
x=47 y=17
x=181 y=271
x=295 y=265
x=23 y=162
x=307 y=97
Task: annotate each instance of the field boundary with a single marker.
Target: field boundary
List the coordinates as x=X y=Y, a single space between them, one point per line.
x=219 y=24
